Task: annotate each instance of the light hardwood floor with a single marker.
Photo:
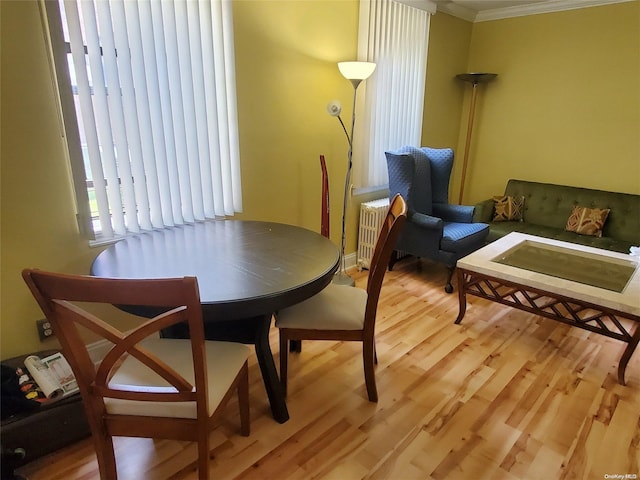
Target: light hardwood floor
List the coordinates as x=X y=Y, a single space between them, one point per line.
x=504 y=395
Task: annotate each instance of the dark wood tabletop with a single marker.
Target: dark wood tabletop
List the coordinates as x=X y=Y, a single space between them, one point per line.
x=246 y=270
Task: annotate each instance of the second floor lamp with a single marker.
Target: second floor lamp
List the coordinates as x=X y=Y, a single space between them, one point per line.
x=475 y=79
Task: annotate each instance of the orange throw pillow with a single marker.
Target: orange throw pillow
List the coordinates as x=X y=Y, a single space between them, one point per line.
x=507 y=208
x=587 y=221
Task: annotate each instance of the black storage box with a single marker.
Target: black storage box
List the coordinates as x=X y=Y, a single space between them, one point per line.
x=46 y=429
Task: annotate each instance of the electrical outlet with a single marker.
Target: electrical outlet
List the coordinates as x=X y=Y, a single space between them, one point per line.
x=44 y=329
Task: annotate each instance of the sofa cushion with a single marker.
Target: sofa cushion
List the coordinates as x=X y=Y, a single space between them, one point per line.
x=507 y=208
x=587 y=221
x=500 y=229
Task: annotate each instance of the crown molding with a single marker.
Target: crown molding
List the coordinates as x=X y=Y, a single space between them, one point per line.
x=549 y=6
x=458 y=11
x=426 y=5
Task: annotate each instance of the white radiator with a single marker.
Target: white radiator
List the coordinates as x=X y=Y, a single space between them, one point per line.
x=372 y=215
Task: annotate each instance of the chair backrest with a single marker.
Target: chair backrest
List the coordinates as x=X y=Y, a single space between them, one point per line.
x=410 y=175
x=391 y=228
x=64 y=299
x=441 y=162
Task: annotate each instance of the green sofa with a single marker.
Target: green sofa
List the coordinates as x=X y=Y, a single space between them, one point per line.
x=547 y=208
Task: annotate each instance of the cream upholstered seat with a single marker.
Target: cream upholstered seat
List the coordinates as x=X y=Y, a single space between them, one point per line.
x=337 y=307
x=227 y=357
x=144 y=386
x=342 y=312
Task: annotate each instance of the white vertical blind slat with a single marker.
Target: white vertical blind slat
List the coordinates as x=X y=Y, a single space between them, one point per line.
x=226 y=90
x=175 y=125
x=116 y=109
x=202 y=172
x=156 y=167
x=86 y=108
x=190 y=162
x=214 y=197
x=167 y=170
x=144 y=115
x=101 y=112
x=132 y=127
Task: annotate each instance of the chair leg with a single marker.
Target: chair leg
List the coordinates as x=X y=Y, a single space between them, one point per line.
x=203 y=451
x=243 y=401
x=103 y=443
x=375 y=352
x=284 y=359
x=449 y=287
x=368 y=354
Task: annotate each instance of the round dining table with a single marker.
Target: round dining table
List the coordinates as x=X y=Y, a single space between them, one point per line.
x=246 y=271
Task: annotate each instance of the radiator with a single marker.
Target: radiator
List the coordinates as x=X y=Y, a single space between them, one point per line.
x=372 y=215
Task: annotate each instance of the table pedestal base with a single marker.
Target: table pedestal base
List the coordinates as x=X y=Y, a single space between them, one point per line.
x=250 y=331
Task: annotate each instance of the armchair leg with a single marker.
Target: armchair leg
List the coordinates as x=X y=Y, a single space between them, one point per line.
x=449 y=287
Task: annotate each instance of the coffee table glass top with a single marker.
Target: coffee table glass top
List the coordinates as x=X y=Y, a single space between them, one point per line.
x=582 y=267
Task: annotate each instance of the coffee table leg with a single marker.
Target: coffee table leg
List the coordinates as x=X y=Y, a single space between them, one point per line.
x=462 y=297
x=626 y=355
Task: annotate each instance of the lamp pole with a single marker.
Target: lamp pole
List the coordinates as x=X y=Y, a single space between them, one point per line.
x=355 y=72
x=474 y=79
x=342 y=277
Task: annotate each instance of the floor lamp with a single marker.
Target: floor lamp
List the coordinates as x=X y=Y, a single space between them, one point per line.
x=475 y=79
x=355 y=72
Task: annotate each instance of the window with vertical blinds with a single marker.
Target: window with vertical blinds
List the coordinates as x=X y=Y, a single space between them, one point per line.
x=394 y=34
x=148 y=97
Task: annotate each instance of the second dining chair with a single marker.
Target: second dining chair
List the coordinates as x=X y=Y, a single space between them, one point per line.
x=345 y=313
x=145 y=386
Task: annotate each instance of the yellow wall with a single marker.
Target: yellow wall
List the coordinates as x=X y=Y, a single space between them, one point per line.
x=449 y=39
x=286 y=55
x=286 y=69
x=37 y=207
x=546 y=128
x=565 y=107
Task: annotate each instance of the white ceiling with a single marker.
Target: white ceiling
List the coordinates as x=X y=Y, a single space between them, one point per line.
x=483 y=10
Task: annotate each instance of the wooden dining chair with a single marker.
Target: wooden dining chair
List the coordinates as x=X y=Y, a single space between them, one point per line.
x=145 y=386
x=345 y=313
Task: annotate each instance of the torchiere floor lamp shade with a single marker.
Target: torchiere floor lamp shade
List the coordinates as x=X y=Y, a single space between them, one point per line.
x=475 y=79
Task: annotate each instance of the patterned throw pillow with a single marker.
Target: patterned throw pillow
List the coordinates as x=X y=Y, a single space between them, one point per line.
x=507 y=208
x=587 y=221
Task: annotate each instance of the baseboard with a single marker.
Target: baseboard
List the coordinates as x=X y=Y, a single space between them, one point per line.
x=98 y=350
x=350 y=260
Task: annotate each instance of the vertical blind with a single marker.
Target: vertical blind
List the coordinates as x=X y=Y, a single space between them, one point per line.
x=394 y=34
x=155 y=102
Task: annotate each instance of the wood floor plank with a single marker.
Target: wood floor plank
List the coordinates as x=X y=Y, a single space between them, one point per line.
x=504 y=395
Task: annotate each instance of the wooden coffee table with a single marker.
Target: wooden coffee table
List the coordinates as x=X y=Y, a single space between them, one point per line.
x=589 y=288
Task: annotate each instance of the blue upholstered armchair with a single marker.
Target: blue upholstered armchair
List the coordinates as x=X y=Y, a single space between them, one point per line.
x=435 y=229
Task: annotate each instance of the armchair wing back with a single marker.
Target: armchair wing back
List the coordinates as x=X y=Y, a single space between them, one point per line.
x=410 y=178
x=441 y=161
